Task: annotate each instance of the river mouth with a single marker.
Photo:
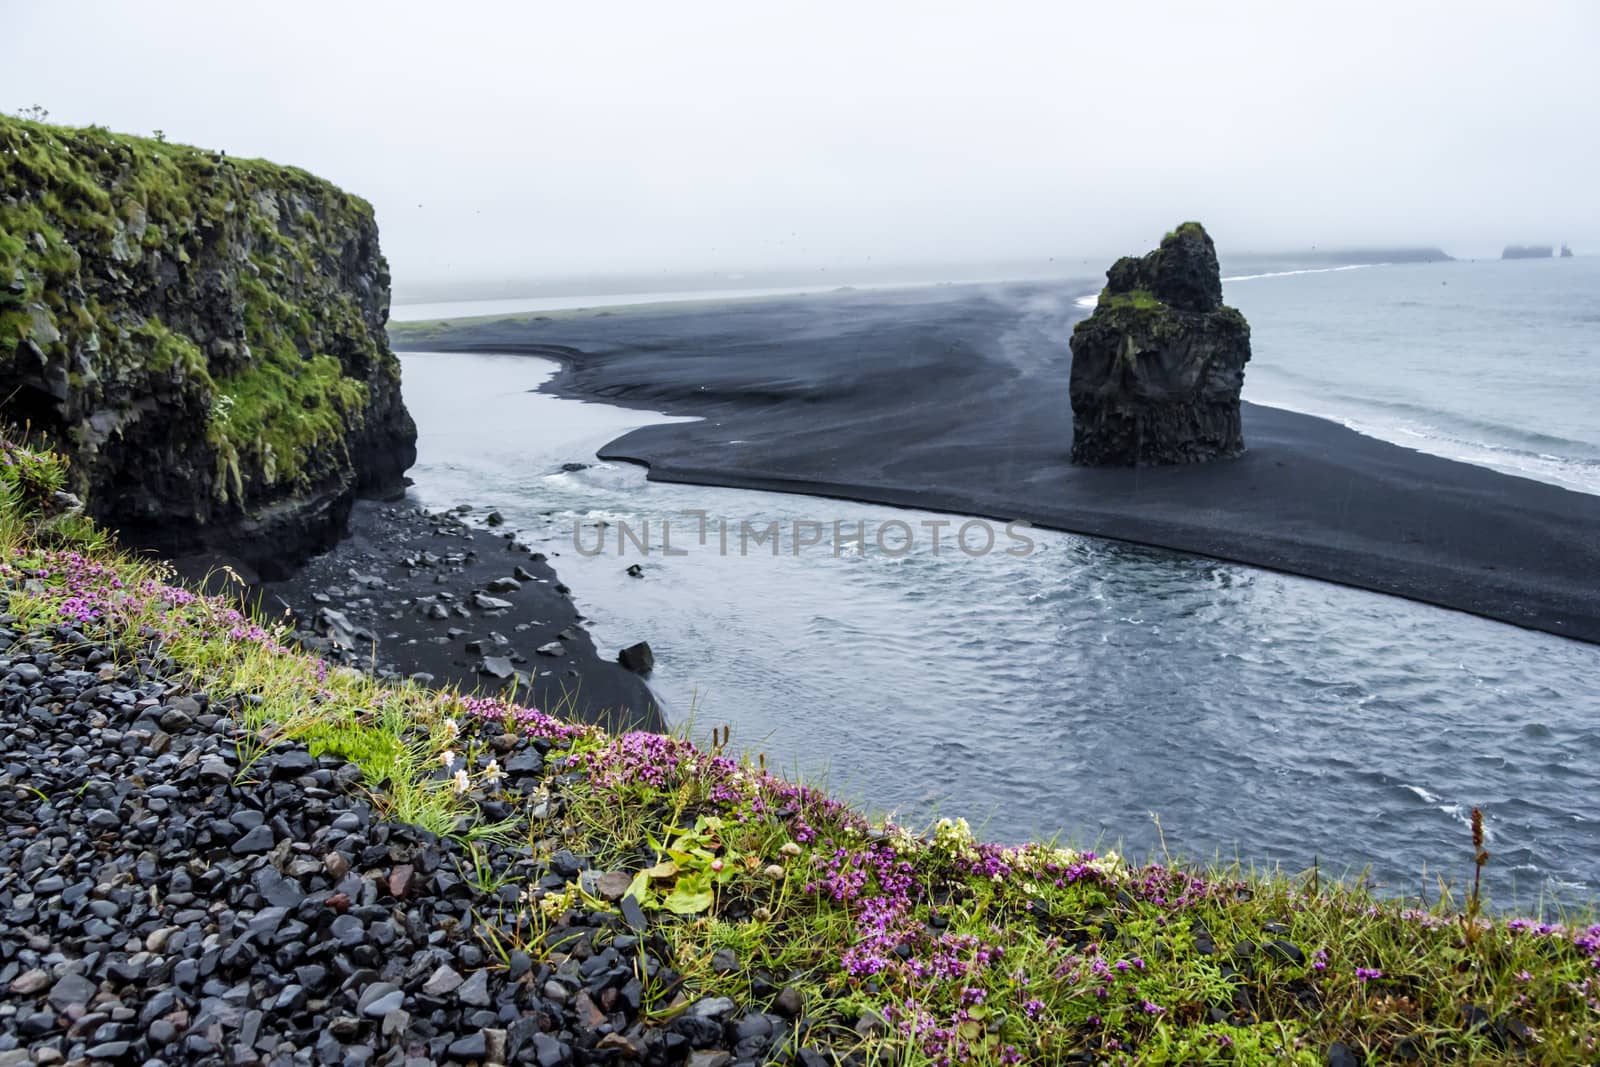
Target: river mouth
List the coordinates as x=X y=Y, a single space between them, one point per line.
x=1071 y=692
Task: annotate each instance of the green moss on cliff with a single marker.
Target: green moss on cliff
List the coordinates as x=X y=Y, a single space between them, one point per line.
x=247 y=298
x=272 y=416
x=1185 y=229
x=1141 y=299
x=168 y=352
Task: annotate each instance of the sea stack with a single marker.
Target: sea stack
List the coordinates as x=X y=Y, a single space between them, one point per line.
x=1157 y=369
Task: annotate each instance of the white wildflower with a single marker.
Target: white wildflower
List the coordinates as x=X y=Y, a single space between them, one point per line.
x=1110 y=864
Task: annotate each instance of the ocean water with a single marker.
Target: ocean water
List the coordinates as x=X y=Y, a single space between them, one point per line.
x=1493 y=362
x=1090 y=688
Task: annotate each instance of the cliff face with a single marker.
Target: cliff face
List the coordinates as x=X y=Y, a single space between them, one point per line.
x=202 y=337
x=1157 y=369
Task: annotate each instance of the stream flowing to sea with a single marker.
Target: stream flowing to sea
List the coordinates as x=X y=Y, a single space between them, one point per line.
x=1088 y=686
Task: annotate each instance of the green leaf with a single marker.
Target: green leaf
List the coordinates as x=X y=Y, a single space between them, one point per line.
x=687 y=902
x=691 y=895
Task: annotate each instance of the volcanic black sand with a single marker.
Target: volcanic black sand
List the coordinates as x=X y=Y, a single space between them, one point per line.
x=457 y=603
x=955 y=399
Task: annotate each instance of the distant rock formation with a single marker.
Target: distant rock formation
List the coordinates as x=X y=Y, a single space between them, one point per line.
x=1527 y=252
x=203 y=337
x=1566 y=252
x=1157 y=369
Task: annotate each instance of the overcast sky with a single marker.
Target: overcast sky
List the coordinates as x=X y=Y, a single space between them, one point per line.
x=545 y=139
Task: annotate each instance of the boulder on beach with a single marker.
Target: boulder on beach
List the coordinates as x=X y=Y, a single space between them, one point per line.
x=638 y=658
x=1157 y=369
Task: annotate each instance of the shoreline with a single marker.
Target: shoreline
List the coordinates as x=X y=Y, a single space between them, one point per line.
x=957 y=413
x=457 y=605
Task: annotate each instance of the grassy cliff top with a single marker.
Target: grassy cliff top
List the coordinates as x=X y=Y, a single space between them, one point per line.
x=81 y=165
x=908 y=945
x=96 y=183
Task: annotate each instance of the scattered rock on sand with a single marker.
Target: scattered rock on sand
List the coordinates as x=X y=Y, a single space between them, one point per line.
x=435 y=585
x=496 y=667
x=638 y=658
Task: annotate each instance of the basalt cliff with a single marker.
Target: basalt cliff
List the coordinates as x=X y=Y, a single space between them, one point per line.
x=1157 y=369
x=202 y=337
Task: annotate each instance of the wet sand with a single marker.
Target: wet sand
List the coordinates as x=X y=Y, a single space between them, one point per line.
x=954 y=399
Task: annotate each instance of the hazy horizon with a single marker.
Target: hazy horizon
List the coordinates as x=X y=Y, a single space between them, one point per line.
x=526 y=144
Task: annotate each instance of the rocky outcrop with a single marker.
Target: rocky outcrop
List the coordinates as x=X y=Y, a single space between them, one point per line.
x=1566 y=251
x=1157 y=369
x=1527 y=252
x=203 y=337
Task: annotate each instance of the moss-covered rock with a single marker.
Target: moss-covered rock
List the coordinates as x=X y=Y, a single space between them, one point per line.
x=202 y=337
x=1157 y=369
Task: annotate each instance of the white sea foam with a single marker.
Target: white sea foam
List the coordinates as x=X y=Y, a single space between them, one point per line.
x=1304 y=270
x=1567 y=472
x=1088 y=300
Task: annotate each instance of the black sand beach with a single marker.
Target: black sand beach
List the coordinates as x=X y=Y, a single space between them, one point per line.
x=955 y=399
x=465 y=605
